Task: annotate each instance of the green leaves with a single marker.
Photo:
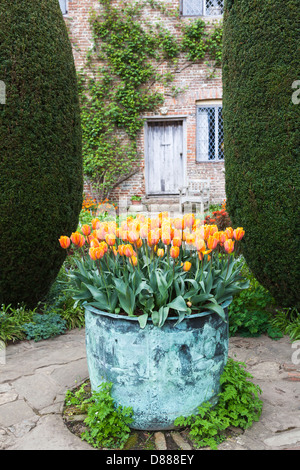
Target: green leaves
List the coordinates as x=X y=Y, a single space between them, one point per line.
x=239 y=405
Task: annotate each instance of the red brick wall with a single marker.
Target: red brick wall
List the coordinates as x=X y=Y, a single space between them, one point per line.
x=194 y=79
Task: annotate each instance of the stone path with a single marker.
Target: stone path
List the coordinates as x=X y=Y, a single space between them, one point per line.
x=35 y=376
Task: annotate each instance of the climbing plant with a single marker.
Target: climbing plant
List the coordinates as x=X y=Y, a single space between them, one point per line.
x=122 y=80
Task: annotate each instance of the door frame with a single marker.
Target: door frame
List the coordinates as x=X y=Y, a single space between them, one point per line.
x=159 y=118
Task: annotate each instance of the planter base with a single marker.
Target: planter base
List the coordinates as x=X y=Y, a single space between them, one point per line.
x=162 y=373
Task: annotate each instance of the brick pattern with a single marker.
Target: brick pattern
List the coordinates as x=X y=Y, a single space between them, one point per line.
x=198 y=88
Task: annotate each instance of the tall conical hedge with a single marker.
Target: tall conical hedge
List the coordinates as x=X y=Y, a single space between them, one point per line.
x=261 y=125
x=40 y=148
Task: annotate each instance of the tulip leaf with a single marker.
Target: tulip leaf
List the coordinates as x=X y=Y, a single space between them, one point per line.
x=178 y=304
x=143 y=320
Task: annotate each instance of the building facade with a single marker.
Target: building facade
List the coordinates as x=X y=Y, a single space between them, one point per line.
x=183 y=139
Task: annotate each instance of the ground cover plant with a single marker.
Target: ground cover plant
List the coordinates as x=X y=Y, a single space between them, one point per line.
x=103 y=424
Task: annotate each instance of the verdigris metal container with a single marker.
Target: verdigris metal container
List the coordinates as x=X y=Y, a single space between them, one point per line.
x=162 y=373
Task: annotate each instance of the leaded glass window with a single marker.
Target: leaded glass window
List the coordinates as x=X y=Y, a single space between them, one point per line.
x=202 y=7
x=63 y=6
x=210 y=135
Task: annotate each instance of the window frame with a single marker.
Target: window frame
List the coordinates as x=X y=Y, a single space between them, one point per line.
x=216 y=105
x=203 y=11
x=67 y=9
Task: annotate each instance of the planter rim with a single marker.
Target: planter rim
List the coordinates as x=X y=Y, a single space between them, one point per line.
x=135 y=319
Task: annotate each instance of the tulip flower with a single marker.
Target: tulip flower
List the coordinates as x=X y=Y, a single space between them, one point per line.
x=96 y=253
x=188 y=220
x=133 y=236
x=95 y=224
x=229 y=246
x=160 y=252
x=201 y=254
x=166 y=238
x=86 y=230
x=121 y=250
x=133 y=260
x=153 y=237
x=77 y=239
x=187 y=266
x=64 y=242
x=212 y=242
x=178 y=224
x=238 y=233
x=200 y=244
x=229 y=232
x=94 y=243
x=128 y=250
x=110 y=239
x=174 y=252
x=177 y=241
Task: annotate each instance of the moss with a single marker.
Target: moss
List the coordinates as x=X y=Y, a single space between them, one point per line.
x=260 y=63
x=40 y=148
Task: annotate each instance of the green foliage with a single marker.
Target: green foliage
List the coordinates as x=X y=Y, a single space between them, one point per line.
x=44 y=326
x=40 y=148
x=193 y=41
x=260 y=64
x=287 y=321
x=250 y=313
x=239 y=405
x=107 y=424
x=12 y=321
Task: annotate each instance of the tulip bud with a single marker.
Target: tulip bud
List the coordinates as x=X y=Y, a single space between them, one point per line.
x=64 y=242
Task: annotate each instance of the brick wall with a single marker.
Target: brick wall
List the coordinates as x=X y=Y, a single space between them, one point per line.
x=199 y=88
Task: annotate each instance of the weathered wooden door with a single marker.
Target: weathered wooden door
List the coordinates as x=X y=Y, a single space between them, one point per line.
x=164 y=157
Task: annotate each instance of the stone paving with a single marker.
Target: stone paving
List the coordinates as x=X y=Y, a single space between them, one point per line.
x=35 y=376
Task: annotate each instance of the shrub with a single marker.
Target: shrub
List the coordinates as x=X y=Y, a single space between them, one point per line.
x=40 y=148
x=44 y=326
x=260 y=64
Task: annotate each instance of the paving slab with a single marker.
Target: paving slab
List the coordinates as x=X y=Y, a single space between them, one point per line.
x=36 y=376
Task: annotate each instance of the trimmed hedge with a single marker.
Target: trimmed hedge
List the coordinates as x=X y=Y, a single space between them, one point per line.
x=40 y=148
x=261 y=125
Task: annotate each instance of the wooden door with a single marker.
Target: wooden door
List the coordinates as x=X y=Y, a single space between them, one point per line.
x=165 y=160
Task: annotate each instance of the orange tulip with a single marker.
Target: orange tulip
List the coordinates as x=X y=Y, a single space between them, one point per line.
x=166 y=238
x=188 y=220
x=64 y=242
x=128 y=250
x=229 y=232
x=187 y=266
x=133 y=260
x=212 y=242
x=160 y=252
x=190 y=238
x=144 y=231
x=202 y=253
x=77 y=239
x=121 y=250
x=94 y=243
x=96 y=253
x=110 y=239
x=153 y=237
x=200 y=244
x=95 y=223
x=177 y=241
x=178 y=224
x=229 y=246
x=174 y=252
x=86 y=230
x=139 y=243
x=133 y=236
x=238 y=233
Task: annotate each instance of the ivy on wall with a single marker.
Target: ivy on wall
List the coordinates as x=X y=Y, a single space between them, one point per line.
x=122 y=81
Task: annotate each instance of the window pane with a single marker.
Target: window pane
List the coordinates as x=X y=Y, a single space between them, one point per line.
x=192 y=7
x=63 y=6
x=214 y=7
x=220 y=134
x=210 y=135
